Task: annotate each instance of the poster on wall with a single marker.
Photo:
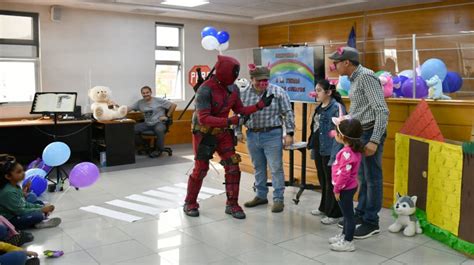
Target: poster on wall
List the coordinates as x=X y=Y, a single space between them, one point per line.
x=295 y=69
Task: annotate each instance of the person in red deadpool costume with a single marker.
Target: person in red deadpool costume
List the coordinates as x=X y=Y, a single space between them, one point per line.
x=211 y=126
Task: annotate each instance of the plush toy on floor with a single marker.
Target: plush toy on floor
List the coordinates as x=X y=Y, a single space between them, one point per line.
x=435 y=90
x=101 y=96
x=405 y=208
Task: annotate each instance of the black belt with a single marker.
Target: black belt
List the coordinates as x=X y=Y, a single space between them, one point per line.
x=266 y=129
x=368 y=126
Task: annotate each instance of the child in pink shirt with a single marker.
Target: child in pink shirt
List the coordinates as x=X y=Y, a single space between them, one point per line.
x=344 y=178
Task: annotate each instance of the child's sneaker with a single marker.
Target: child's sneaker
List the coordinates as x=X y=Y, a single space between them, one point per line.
x=317 y=212
x=343 y=246
x=336 y=238
x=53 y=222
x=329 y=220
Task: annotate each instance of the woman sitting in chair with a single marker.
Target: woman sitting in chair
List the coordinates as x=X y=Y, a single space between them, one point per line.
x=158 y=113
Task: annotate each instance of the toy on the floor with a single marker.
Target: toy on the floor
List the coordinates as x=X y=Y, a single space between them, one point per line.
x=101 y=96
x=405 y=208
x=53 y=253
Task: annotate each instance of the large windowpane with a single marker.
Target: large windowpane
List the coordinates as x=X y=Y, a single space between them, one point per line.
x=16 y=27
x=167 y=36
x=17 y=81
x=169 y=61
x=161 y=55
x=168 y=81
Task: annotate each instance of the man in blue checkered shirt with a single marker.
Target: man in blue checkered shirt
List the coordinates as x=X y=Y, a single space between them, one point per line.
x=369 y=107
x=265 y=137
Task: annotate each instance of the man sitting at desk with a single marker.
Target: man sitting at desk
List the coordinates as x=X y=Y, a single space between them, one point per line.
x=157 y=111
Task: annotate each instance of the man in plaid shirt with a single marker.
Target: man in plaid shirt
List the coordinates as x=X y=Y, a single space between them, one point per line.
x=369 y=107
x=265 y=136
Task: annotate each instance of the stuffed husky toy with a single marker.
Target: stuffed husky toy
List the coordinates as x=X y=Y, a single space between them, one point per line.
x=405 y=208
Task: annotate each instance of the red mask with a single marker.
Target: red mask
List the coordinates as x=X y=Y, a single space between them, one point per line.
x=262 y=83
x=227 y=69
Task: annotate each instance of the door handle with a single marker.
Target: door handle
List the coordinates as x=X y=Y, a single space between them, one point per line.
x=424 y=174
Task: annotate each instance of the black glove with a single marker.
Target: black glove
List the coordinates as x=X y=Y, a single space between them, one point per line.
x=265 y=101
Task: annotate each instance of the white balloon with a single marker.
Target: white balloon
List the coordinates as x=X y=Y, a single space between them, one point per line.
x=407 y=73
x=224 y=46
x=209 y=43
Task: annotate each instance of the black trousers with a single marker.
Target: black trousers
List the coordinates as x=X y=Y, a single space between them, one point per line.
x=328 y=205
x=346 y=203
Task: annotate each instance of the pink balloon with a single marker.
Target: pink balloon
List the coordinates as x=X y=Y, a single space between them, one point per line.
x=83 y=175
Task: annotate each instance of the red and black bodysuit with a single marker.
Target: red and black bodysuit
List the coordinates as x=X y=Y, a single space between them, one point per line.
x=211 y=132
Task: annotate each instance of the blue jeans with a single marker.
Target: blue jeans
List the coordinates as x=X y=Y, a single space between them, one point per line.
x=32 y=198
x=27 y=220
x=13 y=258
x=346 y=203
x=159 y=129
x=3 y=232
x=370 y=183
x=267 y=147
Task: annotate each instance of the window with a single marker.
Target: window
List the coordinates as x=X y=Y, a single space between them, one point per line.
x=169 y=61
x=19 y=56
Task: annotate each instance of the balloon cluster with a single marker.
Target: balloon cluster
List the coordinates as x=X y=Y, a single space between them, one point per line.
x=402 y=84
x=214 y=40
x=55 y=154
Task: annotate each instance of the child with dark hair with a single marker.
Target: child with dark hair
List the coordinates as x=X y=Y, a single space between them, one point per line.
x=344 y=178
x=13 y=205
x=324 y=148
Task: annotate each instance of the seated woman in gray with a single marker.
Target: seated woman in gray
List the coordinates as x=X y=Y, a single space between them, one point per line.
x=157 y=111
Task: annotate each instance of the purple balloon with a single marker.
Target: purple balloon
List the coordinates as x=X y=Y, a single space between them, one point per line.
x=421 y=88
x=39 y=163
x=452 y=82
x=83 y=175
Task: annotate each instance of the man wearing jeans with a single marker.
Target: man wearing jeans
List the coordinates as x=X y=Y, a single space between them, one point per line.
x=369 y=107
x=156 y=111
x=265 y=136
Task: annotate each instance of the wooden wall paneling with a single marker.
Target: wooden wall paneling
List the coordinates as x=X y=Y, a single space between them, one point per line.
x=273 y=34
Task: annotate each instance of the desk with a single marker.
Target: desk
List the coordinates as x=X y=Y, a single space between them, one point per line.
x=27 y=138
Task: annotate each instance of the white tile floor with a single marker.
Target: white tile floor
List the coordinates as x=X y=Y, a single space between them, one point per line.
x=291 y=237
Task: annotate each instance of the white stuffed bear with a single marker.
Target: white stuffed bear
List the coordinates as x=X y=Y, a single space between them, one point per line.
x=101 y=96
x=405 y=208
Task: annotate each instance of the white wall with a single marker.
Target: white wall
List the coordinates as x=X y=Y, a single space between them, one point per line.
x=118 y=50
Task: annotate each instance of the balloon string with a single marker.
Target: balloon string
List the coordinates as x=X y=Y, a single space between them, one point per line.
x=62 y=195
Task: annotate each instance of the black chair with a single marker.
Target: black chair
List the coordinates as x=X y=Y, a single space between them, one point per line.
x=150 y=137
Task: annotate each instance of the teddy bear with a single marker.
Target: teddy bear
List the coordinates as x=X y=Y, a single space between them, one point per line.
x=100 y=108
x=436 y=88
x=405 y=208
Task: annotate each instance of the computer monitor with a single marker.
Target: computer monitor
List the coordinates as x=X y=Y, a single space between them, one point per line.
x=54 y=102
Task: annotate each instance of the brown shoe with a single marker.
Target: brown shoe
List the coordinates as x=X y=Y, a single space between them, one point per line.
x=255 y=202
x=277 y=207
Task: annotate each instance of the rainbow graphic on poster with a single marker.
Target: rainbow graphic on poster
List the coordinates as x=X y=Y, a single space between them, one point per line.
x=292 y=69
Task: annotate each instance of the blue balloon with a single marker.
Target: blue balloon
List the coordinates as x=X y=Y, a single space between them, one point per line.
x=38 y=184
x=432 y=67
x=223 y=36
x=56 y=154
x=208 y=31
x=452 y=82
x=345 y=82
